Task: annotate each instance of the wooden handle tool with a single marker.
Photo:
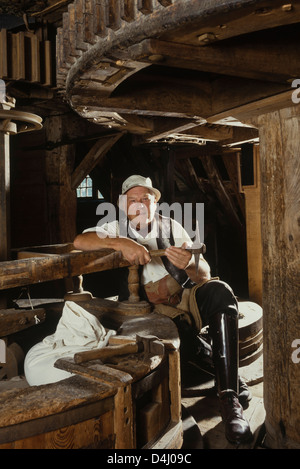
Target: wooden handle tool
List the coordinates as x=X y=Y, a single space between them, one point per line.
x=148 y=343
x=162 y=252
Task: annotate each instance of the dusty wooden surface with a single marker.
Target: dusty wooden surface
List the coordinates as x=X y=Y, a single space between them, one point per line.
x=40 y=401
x=14 y=320
x=74 y=413
x=41 y=269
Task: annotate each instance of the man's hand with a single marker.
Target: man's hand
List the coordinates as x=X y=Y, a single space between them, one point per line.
x=180 y=257
x=183 y=259
x=133 y=252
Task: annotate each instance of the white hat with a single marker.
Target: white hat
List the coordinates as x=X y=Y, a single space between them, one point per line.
x=134 y=181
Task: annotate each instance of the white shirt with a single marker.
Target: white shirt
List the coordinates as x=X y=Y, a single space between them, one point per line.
x=155 y=269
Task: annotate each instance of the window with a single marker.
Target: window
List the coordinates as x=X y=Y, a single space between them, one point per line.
x=86 y=189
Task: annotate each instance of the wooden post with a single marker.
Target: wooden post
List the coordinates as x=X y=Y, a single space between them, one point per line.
x=123 y=418
x=253 y=232
x=4 y=197
x=61 y=197
x=280 y=190
x=175 y=384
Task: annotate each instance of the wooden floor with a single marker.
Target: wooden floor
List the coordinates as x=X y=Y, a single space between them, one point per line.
x=203 y=426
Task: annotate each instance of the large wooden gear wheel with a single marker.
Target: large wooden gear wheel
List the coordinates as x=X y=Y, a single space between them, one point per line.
x=131 y=64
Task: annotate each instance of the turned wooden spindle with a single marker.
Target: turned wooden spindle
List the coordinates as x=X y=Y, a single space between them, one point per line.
x=78 y=293
x=77 y=284
x=133 y=284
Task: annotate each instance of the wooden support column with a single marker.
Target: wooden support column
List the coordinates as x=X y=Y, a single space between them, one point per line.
x=4 y=194
x=4 y=205
x=253 y=232
x=280 y=190
x=61 y=198
x=4 y=197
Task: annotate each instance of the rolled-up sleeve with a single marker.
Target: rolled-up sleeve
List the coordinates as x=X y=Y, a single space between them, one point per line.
x=105 y=230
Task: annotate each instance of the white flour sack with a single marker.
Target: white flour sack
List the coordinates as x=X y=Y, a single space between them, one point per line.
x=77 y=331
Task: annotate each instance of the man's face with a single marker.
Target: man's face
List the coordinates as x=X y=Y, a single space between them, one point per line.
x=141 y=206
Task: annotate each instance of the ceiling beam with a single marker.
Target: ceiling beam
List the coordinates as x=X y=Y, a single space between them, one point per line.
x=155 y=96
x=225 y=134
x=249 y=112
x=255 y=58
x=189 y=98
x=163 y=127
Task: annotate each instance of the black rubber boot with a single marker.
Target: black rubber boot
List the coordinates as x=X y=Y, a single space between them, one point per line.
x=223 y=329
x=203 y=358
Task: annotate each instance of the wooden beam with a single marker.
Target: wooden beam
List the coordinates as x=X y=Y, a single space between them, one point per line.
x=255 y=58
x=218 y=21
x=222 y=194
x=173 y=96
x=93 y=157
x=187 y=169
x=225 y=134
x=233 y=168
x=250 y=111
x=4 y=197
x=280 y=219
x=170 y=97
x=233 y=92
x=14 y=320
x=163 y=127
x=196 y=151
x=34 y=270
x=4 y=200
x=61 y=199
x=47 y=63
x=253 y=231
